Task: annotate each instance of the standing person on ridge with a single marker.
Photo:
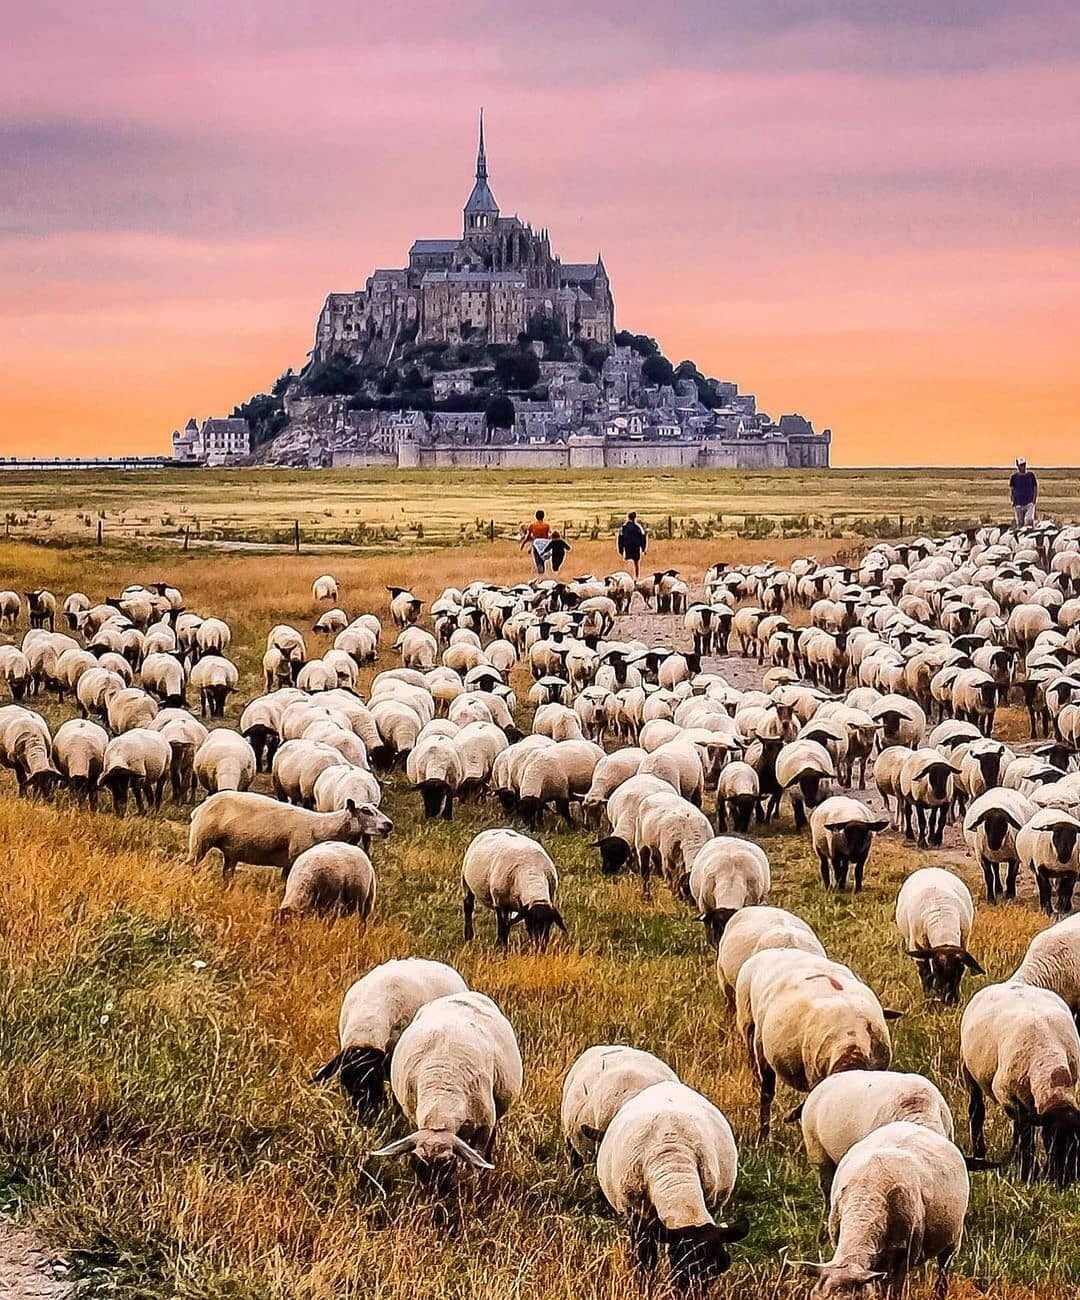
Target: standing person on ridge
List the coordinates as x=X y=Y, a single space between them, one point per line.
x=633 y=541
x=538 y=534
x=1024 y=491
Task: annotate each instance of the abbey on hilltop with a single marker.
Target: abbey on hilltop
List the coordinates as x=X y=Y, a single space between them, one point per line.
x=485 y=287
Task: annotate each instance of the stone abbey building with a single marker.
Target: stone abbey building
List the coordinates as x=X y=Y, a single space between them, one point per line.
x=486 y=286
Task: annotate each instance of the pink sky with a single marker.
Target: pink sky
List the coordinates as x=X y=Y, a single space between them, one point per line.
x=860 y=210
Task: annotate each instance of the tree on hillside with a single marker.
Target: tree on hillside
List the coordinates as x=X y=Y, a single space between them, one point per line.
x=499 y=412
x=657 y=370
x=334 y=377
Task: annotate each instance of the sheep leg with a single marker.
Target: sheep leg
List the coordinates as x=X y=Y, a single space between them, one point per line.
x=1066 y=885
x=576 y=1162
x=1042 y=880
x=468 y=907
x=976 y=1117
x=920 y=818
x=448 y=806
x=644 y=864
x=502 y=929
x=826 y=875
x=644 y=1248
x=768 y=1092
x=926 y=980
x=1024 y=1141
x=993 y=884
x=941 y=1286
x=721 y=815
x=799 y=810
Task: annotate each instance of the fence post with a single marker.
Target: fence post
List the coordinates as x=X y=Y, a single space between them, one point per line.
x=296 y=535
x=901 y=532
x=491 y=530
x=185 y=537
x=100 y=529
x=670 y=532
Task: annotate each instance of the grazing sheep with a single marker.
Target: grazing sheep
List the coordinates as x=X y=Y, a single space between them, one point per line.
x=926 y=794
x=297 y=766
x=934 y=914
x=26 y=747
x=224 y=761
x=1052 y=961
x=727 y=875
x=162 y=676
x=434 y=768
x=899 y=1199
x=41 y=606
x=455 y=1072
x=335 y=786
x=599 y=1082
x=212 y=637
x=623 y=808
x=668 y=1164
x=256 y=829
x=738 y=797
x=608 y=774
x=842 y=830
x=404 y=606
x=669 y=834
x=15 y=671
x=79 y=755
x=375 y=1012
x=802 y=767
x=215 y=678
x=556 y=775
x=10 y=609
x=753 y=930
x=515 y=877
x=1049 y=844
x=418 y=649
x=136 y=763
x=479 y=744
x=803 y=1018
x=1019 y=1045
x=184 y=734
x=329 y=878
x=325 y=588
x=845 y=1108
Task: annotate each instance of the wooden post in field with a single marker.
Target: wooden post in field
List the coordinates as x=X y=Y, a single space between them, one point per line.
x=901 y=532
x=296 y=535
x=491 y=530
x=100 y=529
x=670 y=533
x=185 y=537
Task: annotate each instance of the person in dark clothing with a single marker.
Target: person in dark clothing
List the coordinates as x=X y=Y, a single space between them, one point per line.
x=1024 y=491
x=558 y=550
x=632 y=542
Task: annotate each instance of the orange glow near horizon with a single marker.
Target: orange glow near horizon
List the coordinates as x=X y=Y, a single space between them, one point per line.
x=867 y=217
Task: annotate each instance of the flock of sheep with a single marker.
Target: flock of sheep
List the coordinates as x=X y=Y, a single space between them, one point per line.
x=898 y=673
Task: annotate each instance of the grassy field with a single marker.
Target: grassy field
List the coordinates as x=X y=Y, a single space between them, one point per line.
x=157 y=1034
x=379 y=509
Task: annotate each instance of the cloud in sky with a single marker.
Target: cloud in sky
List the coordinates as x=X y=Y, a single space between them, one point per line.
x=862 y=210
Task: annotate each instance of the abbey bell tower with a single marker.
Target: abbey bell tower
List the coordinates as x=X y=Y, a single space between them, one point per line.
x=481 y=211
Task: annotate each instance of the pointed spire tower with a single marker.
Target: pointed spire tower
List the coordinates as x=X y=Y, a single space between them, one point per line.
x=481 y=211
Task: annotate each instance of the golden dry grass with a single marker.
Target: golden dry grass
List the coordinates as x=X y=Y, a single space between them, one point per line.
x=157 y=1033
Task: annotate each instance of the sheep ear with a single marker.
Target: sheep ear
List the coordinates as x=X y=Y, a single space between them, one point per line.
x=735 y=1229
x=836 y=827
x=401 y=1147
x=469 y=1154
x=882 y=824
x=892 y=1015
x=559 y=921
x=920 y=954
x=329 y=1071
x=593 y=1134
x=350 y=806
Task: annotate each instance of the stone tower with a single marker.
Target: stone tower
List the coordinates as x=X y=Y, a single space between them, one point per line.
x=481 y=211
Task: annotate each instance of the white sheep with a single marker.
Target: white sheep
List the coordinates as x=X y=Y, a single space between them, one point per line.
x=556 y=775
x=669 y=834
x=375 y=1012
x=455 y=1072
x=1019 y=1045
x=623 y=807
x=335 y=786
x=842 y=830
x=328 y=878
x=184 y=735
x=926 y=794
x=601 y=1080
x=224 y=761
x=325 y=588
x=668 y=1164
x=934 y=914
x=1052 y=961
x=79 y=754
x=215 y=678
x=253 y=828
x=608 y=774
x=727 y=875
x=434 y=767
x=802 y=768
x=845 y=1108
x=515 y=877
x=755 y=929
x=136 y=762
x=899 y=1198
x=991 y=824
x=1049 y=845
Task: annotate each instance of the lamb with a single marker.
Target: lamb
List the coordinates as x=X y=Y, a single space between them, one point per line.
x=668 y=1164
x=256 y=829
x=330 y=878
x=515 y=877
x=456 y=1070
x=375 y=1012
x=1049 y=844
x=845 y=1108
x=1052 y=961
x=600 y=1081
x=137 y=763
x=934 y=914
x=990 y=828
x=215 y=678
x=842 y=830
x=727 y=875
x=224 y=761
x=434 y=767
x=1019 y=1045
x=926 y=790
x=804 y=1018
x=79 y=755
x=756 y=929
x=899 y=1199
x=669 y=834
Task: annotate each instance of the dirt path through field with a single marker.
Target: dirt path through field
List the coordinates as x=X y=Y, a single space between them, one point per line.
x=28 y=1270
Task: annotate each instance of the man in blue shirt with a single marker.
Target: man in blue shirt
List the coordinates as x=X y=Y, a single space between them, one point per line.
x=1024 y=490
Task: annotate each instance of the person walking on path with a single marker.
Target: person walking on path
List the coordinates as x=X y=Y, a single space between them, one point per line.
x=633 y=541
x=1024 y=490
x=538 y=535
x=558 y=549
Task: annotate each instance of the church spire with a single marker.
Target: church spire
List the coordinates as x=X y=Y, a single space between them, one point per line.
x=481 y=157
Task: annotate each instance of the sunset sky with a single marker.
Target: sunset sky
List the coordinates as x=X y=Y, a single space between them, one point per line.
x=862 y=210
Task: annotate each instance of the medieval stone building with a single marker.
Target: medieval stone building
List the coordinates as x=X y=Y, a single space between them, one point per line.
x=486 y=286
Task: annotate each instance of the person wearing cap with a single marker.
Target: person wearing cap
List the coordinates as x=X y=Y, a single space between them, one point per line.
x=1024 y=490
